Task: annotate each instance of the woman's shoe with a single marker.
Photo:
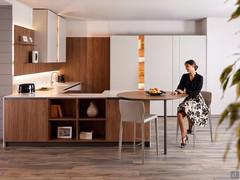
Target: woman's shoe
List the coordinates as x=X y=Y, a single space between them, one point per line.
x=190 y=131
x=185 y=142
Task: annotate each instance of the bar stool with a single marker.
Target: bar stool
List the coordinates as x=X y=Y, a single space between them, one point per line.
x=134 y=111
x=207 y=96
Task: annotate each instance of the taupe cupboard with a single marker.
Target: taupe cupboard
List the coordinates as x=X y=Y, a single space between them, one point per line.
x=50 y=36
x=123 y=62
x=164 y=64
x=164 y=57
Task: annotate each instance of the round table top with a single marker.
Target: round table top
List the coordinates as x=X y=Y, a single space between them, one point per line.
x=142 y=95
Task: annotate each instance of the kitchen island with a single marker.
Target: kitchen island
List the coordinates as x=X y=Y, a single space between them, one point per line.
x=28 y=118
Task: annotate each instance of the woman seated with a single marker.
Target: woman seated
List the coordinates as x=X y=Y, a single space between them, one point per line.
x=193 y=106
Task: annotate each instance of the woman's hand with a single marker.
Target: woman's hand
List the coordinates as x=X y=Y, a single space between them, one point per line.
x=178 y=91
x=174 y=93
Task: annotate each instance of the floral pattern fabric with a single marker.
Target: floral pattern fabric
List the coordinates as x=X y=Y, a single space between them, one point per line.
x=195 y=109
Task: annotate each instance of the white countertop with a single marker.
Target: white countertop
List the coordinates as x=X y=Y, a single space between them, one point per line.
x=58 y=92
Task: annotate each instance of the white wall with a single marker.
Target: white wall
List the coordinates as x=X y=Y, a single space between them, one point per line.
x=77 y=28
x=5 y=56
x=222 y=42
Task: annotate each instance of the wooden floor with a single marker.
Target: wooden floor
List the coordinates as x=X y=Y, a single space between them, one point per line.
x=83 y=163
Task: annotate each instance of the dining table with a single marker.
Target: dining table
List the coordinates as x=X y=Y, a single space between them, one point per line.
x=144 y=96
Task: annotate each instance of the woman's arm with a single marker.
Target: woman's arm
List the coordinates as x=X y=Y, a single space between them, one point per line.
x=180 y=87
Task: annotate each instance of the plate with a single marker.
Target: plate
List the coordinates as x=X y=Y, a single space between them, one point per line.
x=155 y=94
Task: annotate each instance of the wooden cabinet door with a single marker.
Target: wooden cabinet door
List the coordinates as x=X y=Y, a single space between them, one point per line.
x=98 y=55
x=113 y=123
x=25 y=120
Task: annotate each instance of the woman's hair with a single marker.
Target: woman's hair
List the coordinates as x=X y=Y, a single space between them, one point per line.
x=192 y=63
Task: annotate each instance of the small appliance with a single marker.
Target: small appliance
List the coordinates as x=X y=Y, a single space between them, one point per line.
x=34 y=56
x=26 y=88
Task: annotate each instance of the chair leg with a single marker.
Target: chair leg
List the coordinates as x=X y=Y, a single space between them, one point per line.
x=120 y=140
x=143 y=142
x=134 y=136
x=210 y=127
x=194 y=135
x=156 y=133
x=177 y=131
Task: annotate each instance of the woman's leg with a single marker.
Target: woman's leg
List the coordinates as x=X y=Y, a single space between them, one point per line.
x=181 y=125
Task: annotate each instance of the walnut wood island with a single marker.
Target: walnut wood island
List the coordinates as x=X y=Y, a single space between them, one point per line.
x=27 y=118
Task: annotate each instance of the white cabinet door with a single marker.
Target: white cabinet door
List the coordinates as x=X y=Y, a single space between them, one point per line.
x=159 y=68
x=188 y=47
x=124 y=63
x=61 y=39
x=52 y=37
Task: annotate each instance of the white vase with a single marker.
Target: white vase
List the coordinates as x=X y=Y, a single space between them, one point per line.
x=92 y=110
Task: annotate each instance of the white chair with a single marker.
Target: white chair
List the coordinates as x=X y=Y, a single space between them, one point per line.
x=207 y=96
x=134 y=111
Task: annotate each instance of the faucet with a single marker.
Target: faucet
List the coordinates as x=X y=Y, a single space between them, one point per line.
x=51 y=80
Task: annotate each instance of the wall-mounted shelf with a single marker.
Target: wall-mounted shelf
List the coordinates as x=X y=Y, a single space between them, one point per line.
x=24 y=44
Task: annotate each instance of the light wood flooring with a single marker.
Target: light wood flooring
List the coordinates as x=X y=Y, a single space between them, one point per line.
x=100 y=163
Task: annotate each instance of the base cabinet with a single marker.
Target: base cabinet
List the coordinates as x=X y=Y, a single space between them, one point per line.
x=25 y=120
x=30 y=120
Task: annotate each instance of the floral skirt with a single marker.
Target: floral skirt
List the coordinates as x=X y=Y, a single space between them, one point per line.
x=195 y=109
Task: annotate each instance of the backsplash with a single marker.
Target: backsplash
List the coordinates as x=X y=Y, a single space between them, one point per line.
x=39 y=79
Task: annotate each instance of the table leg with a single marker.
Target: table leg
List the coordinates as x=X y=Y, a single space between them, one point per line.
x=165 y=127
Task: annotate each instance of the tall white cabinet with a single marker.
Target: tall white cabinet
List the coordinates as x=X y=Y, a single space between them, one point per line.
x=124 y=62
x=158 y=72
x=164 y=64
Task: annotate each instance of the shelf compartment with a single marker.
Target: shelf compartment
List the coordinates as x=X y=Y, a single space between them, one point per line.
x=84 y=104
x=53 y=129
x=98 y=128
x=68 y=109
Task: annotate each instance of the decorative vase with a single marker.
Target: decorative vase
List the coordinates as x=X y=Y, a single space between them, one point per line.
x=92 y=110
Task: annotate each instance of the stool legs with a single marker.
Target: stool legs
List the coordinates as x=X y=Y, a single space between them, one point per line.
x=156 y=134
x=120 y=140
x=143 y=142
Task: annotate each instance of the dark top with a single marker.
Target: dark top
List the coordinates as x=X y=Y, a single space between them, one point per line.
x=192 y=87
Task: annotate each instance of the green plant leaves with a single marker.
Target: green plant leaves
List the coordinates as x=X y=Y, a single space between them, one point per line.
x=225 y=76
x=238 y=152
x=236 y=13
x=238 y=90
x=236 y=77
x=234 y=111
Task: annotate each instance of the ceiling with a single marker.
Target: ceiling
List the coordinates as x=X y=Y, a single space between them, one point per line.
x=2 y=2
x=136 y=9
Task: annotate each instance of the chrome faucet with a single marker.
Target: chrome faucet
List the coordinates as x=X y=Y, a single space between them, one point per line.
x=51 y=80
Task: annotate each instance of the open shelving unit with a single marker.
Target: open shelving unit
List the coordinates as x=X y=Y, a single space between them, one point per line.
x=74 y=115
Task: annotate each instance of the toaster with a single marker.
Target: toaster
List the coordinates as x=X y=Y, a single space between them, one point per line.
x=26 y=88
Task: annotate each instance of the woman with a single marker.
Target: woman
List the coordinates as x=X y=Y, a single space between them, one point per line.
x=193 y=106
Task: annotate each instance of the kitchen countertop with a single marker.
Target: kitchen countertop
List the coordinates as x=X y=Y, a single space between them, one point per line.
x=59 y=92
